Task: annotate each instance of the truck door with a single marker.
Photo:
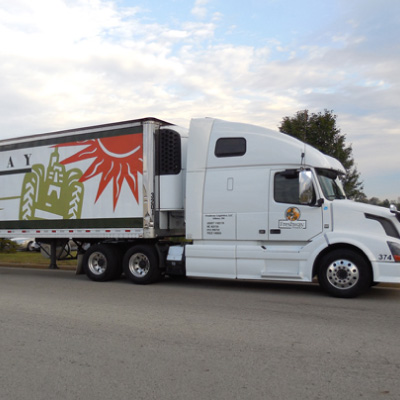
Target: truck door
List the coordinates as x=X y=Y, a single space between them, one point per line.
x=288 y=219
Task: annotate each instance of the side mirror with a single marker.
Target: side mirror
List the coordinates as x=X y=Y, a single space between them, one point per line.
x=306 y=188
x=395 y=211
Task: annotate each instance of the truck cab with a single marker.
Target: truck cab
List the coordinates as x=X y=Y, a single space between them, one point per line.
x=263 y=205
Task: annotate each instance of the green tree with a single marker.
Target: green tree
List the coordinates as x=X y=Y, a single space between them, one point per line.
x=320 y=131
x=7 y=246
x=383 y=203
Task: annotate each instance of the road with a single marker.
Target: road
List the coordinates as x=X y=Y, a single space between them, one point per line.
x=65 y=337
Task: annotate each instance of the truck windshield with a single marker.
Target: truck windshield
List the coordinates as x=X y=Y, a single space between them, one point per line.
x=330 y=184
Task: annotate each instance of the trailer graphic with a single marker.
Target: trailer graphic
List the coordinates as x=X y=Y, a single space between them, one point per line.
x=58 y=193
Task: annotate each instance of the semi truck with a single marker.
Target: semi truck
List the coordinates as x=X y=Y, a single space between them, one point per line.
x=228 y=200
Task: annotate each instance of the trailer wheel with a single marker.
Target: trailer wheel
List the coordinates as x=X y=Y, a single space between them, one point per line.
x=101 y=263
x=344 y=273
x=141 y=265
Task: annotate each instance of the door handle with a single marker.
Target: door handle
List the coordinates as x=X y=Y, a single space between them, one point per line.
x=275 y=231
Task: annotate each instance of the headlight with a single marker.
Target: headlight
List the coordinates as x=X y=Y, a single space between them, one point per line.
x=395 y=249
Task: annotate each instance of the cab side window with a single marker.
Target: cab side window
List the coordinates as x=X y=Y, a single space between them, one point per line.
x=286 y=187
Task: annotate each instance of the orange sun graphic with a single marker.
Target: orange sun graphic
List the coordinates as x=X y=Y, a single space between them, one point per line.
x=116 y=159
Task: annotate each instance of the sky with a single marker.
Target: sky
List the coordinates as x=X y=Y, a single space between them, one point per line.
x=71 y=63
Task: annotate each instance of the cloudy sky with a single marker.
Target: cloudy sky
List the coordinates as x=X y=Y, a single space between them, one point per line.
x=71 y=63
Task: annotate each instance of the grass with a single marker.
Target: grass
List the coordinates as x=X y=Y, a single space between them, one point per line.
x=30 y=258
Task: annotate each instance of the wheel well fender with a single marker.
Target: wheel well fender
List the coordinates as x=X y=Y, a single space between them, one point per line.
x=321 y=255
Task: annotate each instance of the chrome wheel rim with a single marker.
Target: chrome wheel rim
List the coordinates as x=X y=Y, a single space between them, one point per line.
x=97 y=263
x=139 y=265
x=342 y=274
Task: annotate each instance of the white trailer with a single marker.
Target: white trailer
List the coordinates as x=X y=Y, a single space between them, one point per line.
x=250 y=203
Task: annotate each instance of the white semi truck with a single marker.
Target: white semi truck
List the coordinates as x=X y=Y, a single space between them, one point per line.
x=247 y=202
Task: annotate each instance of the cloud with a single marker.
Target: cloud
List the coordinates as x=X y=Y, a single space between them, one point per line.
x=69 y=64
x=199 y=10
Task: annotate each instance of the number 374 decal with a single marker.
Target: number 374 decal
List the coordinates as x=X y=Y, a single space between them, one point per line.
x=385 y=257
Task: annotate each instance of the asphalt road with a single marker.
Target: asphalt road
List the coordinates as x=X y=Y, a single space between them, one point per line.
x=65 y=337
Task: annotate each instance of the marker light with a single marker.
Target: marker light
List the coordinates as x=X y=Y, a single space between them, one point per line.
x=395 y=249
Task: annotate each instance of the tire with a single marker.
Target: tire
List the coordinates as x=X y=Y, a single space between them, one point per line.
x=140 y=265
x=100 y=263
x=31 y=246
x=344 y=273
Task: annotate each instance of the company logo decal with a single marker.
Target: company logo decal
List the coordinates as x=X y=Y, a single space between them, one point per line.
x=292 y=214
x=292 y=219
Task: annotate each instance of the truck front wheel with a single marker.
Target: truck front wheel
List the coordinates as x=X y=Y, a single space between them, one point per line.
x=141 y=265
x=101 y=262
x=344 y=273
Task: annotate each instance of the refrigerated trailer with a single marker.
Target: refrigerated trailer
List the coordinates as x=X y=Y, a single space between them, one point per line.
x=221 y=199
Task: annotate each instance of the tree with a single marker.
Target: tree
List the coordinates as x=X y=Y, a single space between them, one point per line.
x=7 y=246
x=320 y=131
x=382 y=203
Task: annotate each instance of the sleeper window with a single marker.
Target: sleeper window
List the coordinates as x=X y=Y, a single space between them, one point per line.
x=230 y=147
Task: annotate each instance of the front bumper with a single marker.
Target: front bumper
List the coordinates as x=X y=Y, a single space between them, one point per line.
x=388 y=272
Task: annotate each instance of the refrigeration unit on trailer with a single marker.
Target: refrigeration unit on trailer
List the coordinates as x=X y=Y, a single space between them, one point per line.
x=247 y=202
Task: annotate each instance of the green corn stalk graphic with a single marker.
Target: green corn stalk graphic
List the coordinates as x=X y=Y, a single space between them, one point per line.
x=52 y=194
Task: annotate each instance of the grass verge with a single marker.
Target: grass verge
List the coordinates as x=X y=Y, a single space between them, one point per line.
x=31 y=258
